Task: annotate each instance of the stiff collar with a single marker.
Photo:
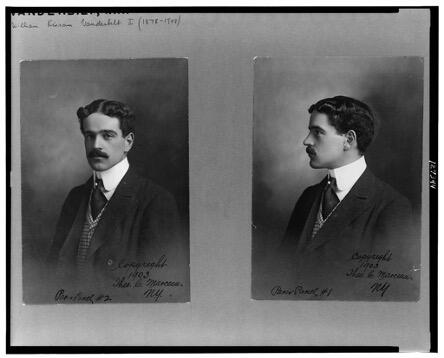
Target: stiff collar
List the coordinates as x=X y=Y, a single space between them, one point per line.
x=112 y=176
x=347 y=175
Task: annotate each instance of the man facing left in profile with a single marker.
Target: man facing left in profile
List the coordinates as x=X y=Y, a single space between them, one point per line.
x=117 y=216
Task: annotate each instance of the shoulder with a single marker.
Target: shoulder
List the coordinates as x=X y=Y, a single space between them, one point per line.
x=315 y=187
x=77 y=190
x=388 y=195
x=308 y=197
x=155 y=201
x=388 y=206
x=76 y=194
x=312 y=190
x=147 y=189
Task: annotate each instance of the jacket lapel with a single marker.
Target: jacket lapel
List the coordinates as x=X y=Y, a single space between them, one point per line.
x=353 y=205
x=116 y=209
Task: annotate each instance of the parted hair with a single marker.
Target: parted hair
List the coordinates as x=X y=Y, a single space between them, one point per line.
x=345 y=113
x=110 y=108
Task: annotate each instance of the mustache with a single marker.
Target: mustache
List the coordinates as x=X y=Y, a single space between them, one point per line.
x=310 y=150
x=97 y=153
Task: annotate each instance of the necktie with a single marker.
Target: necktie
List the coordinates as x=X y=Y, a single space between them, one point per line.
x=330 y=199
x=98 y=199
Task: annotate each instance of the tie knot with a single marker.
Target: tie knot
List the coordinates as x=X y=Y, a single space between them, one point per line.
x=98 y=184
x=330 y=199
x=98 y=198
x=331 y=182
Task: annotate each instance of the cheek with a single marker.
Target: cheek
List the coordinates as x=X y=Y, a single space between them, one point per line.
x=334 y=144
x=116 y=147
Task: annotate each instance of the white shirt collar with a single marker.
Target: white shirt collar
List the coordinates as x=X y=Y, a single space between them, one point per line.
x=347 y=175
x=112 y=176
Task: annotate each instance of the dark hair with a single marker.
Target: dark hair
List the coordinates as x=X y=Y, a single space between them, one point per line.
x=345 y=113
x=115 y=109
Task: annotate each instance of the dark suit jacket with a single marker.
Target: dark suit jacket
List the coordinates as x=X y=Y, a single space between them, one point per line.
x=139 y=224
x=372 y=219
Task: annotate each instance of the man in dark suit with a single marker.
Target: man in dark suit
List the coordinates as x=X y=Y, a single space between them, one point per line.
x=116 y=221
x=351 y=233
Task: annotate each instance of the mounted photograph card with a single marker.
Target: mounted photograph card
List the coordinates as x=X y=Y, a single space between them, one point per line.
x=197 y=180
x=127 y=241
x=337 y=119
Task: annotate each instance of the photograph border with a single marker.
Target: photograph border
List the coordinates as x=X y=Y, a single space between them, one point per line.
x=433 y=163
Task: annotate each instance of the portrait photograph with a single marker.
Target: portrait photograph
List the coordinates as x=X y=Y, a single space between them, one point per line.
x=337 y=178
x=194 y=180
x=104 y=194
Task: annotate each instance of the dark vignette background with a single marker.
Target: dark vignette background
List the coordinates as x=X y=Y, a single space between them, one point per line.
x=52 y=152
x=284 y=89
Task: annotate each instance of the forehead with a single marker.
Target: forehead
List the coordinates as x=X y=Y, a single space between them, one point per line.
x=320 y=120
x=99 y=122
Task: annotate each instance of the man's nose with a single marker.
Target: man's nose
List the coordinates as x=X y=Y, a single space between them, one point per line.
x=307 y=141
x=98 y=142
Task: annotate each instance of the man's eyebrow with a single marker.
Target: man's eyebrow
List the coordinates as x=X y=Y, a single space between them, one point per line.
x=108 y=131
x=103 y=131
x=316 y=127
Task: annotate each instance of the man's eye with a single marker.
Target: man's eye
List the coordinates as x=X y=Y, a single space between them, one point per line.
x=107 y=136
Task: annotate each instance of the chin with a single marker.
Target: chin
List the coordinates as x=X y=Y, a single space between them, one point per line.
x=315 y=165
x=98 y=167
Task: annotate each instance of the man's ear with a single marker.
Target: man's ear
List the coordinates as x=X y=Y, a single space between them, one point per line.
x=129 y=141
x=351 y=140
